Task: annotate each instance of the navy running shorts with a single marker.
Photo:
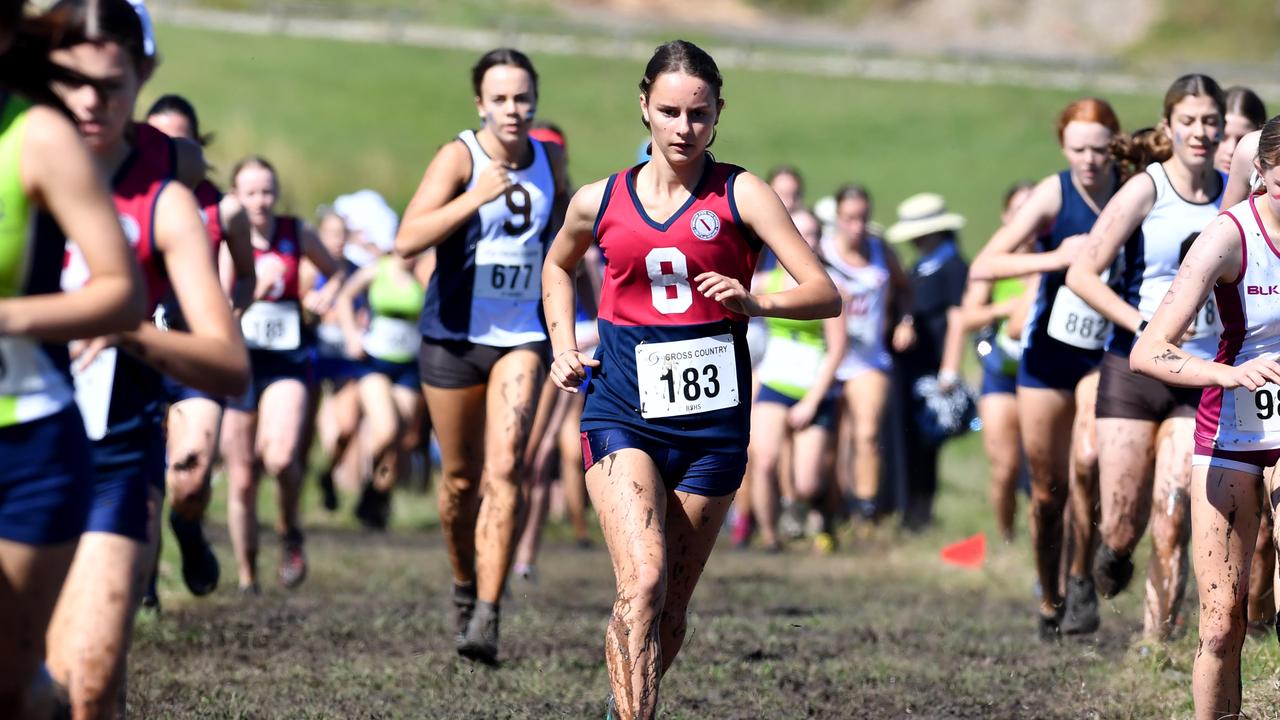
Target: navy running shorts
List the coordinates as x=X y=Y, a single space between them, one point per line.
x=175 y=392
x=46 y=479
x=126 y=465
x=402 y=374
x=692 y=469
x=824 y=418
x=268 y=367
x=996 y=383
x=1049 y=368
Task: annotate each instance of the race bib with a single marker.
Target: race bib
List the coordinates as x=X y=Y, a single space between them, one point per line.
x=1258 y=411
x=392 y=339
x=861 y=324
x=790 y=362
x=272 y=325
x=93 y=392
x=22 y=367
x=1207 y=322
x=686 y=377
x=508 y=270
x=1074 y=322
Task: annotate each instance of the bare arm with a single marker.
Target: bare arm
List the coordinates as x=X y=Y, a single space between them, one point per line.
x=1003 y=256
x=1238 y=187
x=346 y=307
x=1214 y=257
x=58 y=174
x=961 y=321
x=568 y=368
x=1113 y=227
x=814 y=295
x=319 y=302
x=212 y=356
x=238 y=241
x=437 y=208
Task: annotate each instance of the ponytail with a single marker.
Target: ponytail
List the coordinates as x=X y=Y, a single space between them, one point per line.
x=1133 y=153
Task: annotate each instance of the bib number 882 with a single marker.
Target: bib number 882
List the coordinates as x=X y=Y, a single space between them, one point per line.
x=691 y=387
x=1088 y=326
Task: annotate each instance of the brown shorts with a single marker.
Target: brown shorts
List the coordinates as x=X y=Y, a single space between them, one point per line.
x=1125 y=394
x=458 y=364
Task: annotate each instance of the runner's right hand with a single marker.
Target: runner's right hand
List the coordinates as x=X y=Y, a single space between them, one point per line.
x=1252 y=374
x=492 y=182
x=1069 y=248
x=569 y=369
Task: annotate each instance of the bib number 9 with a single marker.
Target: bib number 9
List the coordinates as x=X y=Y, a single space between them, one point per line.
x=1258 y=411
x=520 y=204
x=669 y=280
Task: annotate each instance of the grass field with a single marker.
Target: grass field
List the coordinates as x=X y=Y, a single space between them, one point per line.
x=881 y=630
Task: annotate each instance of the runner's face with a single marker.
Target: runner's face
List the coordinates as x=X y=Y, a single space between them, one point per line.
x=103 y=109
x=1236 y=127
x=682 y=112
x=1085 y=145
x=172 y=124
x=255 y=188
x=1195 y=129
x=1271 y=186
x=333 y=234
x=507 y=102
x=851 y=221
x=787 y=188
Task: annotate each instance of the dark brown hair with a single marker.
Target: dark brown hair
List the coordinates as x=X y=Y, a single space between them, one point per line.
x=254 y=161
x=681 y=56
x=853 y=191
x=1134 y=153
x=25 y=67
x=103 y=21
x=502 y=56
x=1013 y=191
x=1269 y=144
x=178 y=105
x=1244 y=102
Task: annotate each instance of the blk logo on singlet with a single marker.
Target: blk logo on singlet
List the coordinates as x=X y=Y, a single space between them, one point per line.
x=1263 y=290
x=705 y=225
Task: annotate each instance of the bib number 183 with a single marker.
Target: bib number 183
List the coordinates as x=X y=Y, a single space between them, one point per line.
x=686 y=377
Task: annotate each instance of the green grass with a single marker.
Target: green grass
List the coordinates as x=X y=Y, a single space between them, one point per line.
x=339 y=116
x=1212 y=30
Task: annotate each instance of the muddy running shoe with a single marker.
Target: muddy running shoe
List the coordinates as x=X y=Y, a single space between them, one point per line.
x=791 y=520
x=249 y=591
x=1049 y=627
x=1111 y=571
x=328 y=493
x=1081 y=614
x=293 y=561
x=374 y=509
x=481 y=640
x=200 y=569
x=464 y=606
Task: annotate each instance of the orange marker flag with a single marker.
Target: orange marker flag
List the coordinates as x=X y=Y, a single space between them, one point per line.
x=970 y=552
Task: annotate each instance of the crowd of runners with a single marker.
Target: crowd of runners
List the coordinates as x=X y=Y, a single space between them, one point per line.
x=687 y=344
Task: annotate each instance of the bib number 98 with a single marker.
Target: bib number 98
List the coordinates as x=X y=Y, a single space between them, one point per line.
x=1258 y=411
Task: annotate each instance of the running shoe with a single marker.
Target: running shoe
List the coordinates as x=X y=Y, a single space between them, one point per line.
x=464 y=606
x=1049 y=627
x=249 y=591
x=1080 y=616
x=791 y=520
x=824 y=543
x=374 y=509
x=328 y=493
x=480 y=643
x=526 y=572
x=1111 y=571
x=200 y=569
x=743 y=529
x=293 y=562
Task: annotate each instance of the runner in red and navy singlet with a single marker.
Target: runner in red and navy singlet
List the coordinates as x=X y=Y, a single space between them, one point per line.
x=118 y=387
x=667 y=415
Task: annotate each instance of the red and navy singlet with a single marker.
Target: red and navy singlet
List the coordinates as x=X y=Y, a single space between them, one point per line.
x=136 y=388
x=274 y=323
x=674 y=365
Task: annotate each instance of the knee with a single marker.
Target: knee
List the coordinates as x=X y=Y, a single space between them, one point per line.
x=866 y=437
x=1221 y=634
x=643 y=593
x=1085 y=457
x=1171 y=527
x=278 y=459
x=504 y=465
x=1049 y=493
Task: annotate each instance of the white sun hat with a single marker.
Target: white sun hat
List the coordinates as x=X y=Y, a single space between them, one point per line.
x=920 y=215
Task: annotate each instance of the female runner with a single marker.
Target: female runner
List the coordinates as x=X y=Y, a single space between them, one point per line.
x=667 y=414
x=388 y=385
x=262 y=428
x=991 y=305
x=119 y=383
x=46 y=480
x=794 y=410
x=874 y=287
x=1245 y=114
x=194 y=417
x=1237 y=430
x=1062 y=347
x=1152 y=220
x=488 y=204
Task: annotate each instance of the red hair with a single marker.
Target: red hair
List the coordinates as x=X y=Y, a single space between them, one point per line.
x=1088 y=109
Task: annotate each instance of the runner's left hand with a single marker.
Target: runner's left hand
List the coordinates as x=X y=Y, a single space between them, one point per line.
x=83 y=352
x=728 y=292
